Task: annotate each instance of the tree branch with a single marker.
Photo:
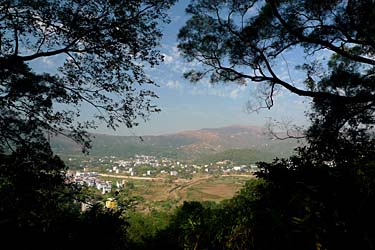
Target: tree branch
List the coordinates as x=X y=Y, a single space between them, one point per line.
x=288 y=86
x=311 y=40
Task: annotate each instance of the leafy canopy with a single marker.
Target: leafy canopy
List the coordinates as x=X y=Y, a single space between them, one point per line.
x=98 y=50
x=103 y=47
x=246 y=41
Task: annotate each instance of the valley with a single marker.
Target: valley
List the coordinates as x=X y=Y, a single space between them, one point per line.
x=161 y=172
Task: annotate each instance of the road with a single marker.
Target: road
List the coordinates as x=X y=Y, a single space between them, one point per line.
x=161 y=178
x=132 y=177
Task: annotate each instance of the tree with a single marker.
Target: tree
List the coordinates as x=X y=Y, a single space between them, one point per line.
x=242 y=41
x=100 y=50
x=102 y=46
x=37 y=206
x=321 y=198
x=311 y=203
x=334 y=124
x=40 y=207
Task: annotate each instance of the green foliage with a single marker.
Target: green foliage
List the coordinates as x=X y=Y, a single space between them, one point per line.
x=145 y=226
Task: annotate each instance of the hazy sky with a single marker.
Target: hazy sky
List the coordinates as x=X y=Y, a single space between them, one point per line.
x=187 y=106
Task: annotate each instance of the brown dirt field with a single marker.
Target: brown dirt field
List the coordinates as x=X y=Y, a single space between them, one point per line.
x=223 y=190
x=154 y=193
x=203 y=188
x=212 y=191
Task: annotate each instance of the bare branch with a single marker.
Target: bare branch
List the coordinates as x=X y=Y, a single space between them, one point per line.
x=285 y=129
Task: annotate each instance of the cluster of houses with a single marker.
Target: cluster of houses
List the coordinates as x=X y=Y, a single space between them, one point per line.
x=151 y=166
x=148 y=165
x=129 y=166
x=91 y=180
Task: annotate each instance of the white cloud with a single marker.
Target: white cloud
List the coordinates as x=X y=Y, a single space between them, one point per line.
x=175 y=61
x=167 y=58
x=173 y=84
x=232 y=91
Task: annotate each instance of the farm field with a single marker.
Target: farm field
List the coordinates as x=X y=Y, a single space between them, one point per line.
x=166 y=194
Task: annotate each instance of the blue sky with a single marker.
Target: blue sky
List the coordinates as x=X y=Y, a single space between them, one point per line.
x=187 y=106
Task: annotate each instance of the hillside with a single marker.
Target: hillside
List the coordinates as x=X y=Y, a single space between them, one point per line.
x=195 y=144
x=237 y=156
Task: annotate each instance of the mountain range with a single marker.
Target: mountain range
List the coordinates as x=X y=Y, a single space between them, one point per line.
x=194 y=144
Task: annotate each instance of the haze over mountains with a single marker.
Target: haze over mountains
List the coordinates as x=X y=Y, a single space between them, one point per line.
x=193 y=144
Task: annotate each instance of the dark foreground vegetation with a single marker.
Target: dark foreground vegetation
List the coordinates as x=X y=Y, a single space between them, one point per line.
x=321 y=198
x=303 y=202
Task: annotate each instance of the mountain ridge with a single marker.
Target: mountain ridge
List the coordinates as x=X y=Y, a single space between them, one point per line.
x=184 y=144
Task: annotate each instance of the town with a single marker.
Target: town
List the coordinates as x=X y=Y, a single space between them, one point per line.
x=90 y=171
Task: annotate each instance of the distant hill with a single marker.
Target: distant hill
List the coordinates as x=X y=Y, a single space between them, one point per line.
x=194 y=144
x=238 y=156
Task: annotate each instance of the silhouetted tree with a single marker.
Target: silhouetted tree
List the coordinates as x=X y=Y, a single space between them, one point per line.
x=311 y=203
x=323 y=197
x=98 y=50
x=100 y=228
x=37 y=205
x=240 y=41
